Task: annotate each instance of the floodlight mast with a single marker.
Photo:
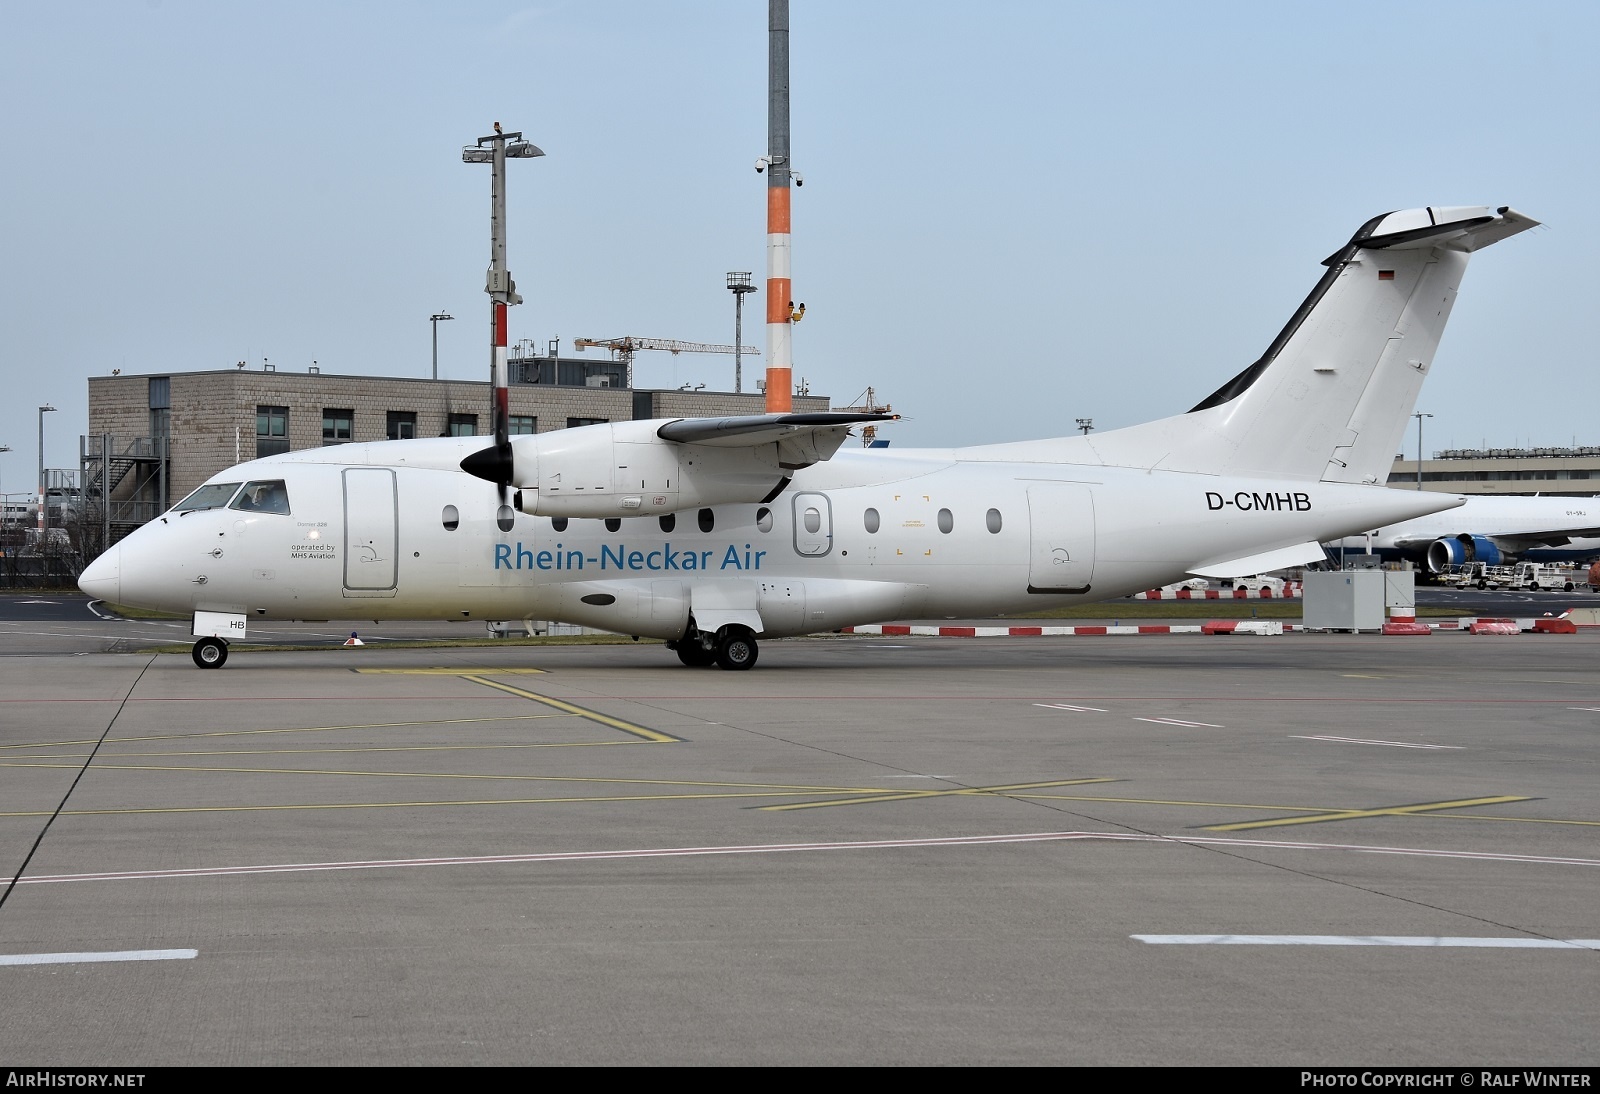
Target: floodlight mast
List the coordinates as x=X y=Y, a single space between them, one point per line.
x=501 y=289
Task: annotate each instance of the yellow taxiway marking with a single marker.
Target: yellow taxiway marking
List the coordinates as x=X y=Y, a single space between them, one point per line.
x=650 y=735
x=872 y=797
x=293 y=729
x=109 y=755
x=1355 y=814
x=700 y=791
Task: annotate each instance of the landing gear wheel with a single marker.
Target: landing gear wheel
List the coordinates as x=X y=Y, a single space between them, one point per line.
x=210 y=653
x=693 y=654
x=736 y=650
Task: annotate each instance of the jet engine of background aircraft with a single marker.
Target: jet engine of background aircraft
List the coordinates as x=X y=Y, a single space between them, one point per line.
x=1449 y=552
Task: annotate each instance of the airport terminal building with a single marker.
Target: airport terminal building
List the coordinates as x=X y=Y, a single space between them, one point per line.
x=1570 y=472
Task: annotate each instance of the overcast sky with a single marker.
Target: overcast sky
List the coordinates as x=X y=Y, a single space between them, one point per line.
x=1015 y=214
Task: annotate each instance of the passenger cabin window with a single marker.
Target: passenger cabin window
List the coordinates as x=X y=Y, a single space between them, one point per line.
x=668 y=521
x=947 y=521
x=812 y=520
x=613 y=524
x=269 y=496
x=450 y=518
x=708 y=520
x=991 y=520
x=558 y=523
x=211 y=496
x=871 y=520
x=764 y=519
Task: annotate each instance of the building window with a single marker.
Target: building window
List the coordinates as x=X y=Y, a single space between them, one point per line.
x=160 y=389
x=574 y=422
x=462 y=425
x=522 y=424
x=272 y=430
x=402 y=425
x=338 y=426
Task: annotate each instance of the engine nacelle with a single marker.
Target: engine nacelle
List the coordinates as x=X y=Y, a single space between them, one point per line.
x=1443 y=554
x=623 y=469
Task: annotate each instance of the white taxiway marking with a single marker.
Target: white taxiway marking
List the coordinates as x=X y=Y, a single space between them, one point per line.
x=1595 y=709
x=83 y=958
x=1367 y=940
x=1178 y=722
x=1069 y=706
x=1362 y=741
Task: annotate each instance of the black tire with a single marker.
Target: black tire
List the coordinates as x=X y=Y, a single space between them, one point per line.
x=1482 y=584
x=1567 y=588
x=1533 y=585
x=736 y=650
x=693 y=654
x=210 y=653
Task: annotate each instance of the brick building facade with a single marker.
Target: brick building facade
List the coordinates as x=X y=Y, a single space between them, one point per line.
x=209 y=421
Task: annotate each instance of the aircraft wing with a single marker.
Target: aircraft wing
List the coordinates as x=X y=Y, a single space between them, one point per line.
x=1520 y=541
x=802 y=439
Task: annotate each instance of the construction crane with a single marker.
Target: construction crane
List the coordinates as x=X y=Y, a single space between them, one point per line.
x=623 y=349
x=867 y=403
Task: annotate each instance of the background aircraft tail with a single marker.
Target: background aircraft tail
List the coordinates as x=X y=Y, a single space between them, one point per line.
x=1331 y=396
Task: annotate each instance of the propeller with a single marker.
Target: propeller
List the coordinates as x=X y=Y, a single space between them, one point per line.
x=497 y=464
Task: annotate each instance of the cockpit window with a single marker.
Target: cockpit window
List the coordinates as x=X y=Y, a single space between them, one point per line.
x=269 y=496
x=213 y=495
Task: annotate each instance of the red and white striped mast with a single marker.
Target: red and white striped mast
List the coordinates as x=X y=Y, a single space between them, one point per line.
x=781 y=311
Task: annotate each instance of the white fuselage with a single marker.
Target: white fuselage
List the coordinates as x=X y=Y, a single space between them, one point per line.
x=394 y=530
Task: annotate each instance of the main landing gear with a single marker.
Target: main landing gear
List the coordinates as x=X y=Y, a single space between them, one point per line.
x=210 y=653
x=732 y=647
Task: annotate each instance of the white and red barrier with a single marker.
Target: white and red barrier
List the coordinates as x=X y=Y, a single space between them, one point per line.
x=1290 y=590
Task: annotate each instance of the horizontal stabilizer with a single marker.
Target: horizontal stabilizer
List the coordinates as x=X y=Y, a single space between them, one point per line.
x=1265 y=562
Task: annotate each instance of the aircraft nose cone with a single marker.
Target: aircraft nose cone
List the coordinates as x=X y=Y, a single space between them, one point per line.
x=102 y=578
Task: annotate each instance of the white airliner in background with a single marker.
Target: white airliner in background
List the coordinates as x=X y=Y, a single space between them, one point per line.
x=712 y=533
x=1490 y=530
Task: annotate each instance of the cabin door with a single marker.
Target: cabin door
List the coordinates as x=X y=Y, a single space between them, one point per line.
x=1061 y=531
x=371 y=532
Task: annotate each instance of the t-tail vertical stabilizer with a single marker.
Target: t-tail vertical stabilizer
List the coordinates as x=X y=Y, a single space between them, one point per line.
x=1330 y=397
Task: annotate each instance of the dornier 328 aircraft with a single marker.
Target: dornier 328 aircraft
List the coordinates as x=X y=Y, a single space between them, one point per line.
x=713 y=533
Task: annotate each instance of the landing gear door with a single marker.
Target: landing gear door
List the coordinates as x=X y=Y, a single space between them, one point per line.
x=813 y=525
x=1061 y=532
x=371 y=532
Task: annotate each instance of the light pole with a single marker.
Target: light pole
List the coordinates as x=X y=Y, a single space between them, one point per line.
x=436 y=318
x=44 y=514
x=1085 y=424
x=5 y=509
x=1419 y=418
x=738 y=285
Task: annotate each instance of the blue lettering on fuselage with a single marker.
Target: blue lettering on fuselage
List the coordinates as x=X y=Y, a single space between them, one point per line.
x=619 y=558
